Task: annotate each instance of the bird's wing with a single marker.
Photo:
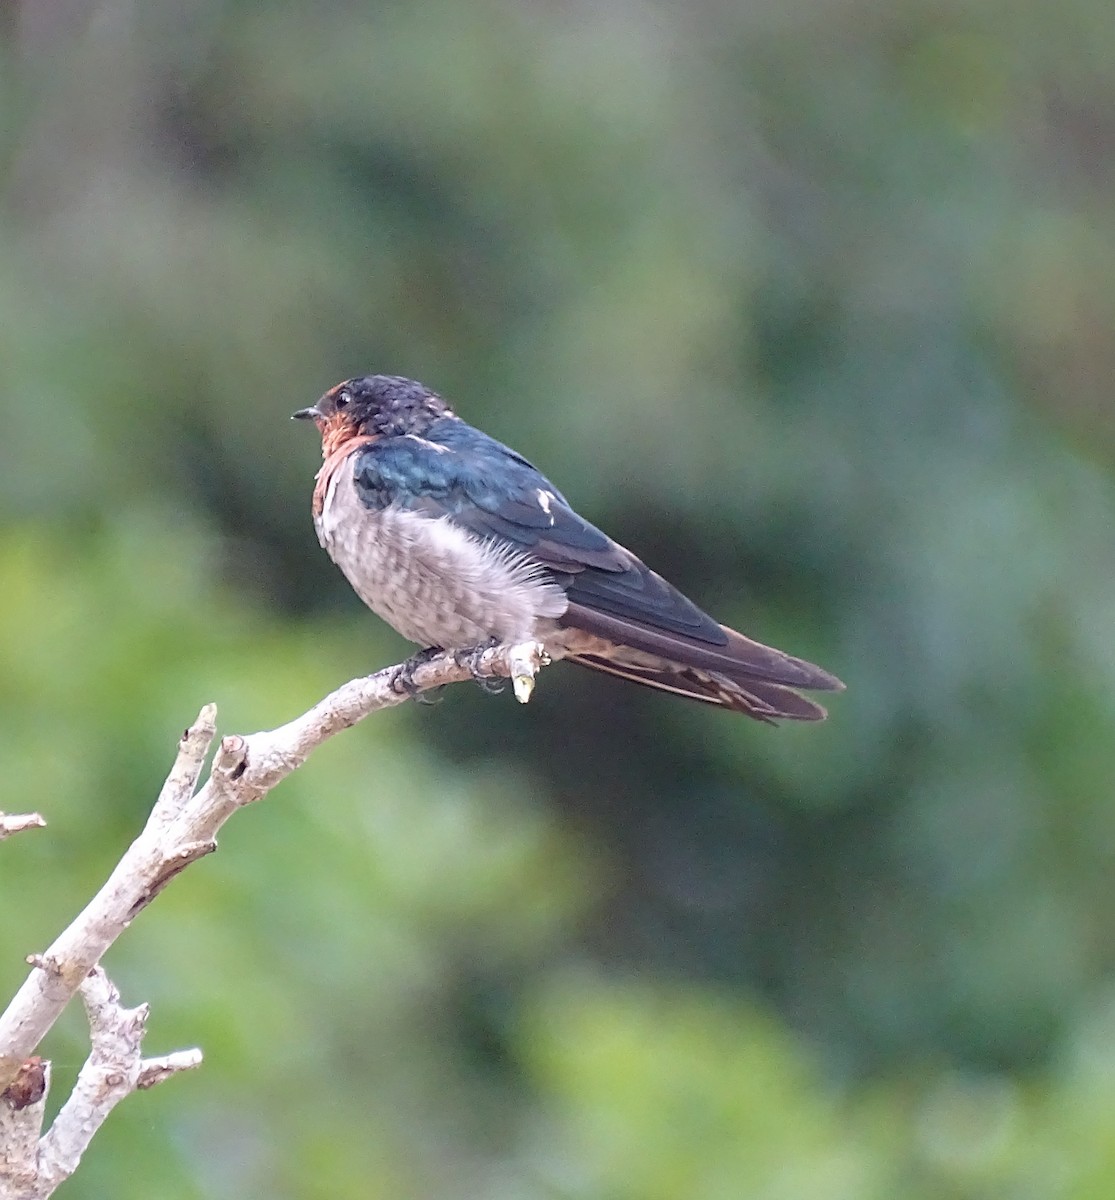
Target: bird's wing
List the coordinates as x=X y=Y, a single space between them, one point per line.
x=483 y=486
x=460 y=473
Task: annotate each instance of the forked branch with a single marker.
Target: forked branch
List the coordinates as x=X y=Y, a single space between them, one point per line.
x=182 y=828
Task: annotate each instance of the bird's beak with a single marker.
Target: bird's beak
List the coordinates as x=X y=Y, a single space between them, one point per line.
x=306 y=414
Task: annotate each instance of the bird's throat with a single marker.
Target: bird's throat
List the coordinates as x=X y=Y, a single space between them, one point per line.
x=335 y=454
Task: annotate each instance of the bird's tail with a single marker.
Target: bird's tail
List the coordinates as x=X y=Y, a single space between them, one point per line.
x=742 y=675
x=764 y=701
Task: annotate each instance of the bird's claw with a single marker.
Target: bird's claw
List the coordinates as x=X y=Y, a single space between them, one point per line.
x=403 y=679
x=473 y=662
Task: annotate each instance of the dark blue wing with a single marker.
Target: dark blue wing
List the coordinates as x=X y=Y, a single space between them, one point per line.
x=458 y=472
x=461 y=474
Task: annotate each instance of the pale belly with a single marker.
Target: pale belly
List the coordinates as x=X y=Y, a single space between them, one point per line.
x=432 y=581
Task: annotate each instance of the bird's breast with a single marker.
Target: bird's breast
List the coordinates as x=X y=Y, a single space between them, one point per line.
x=432 y=580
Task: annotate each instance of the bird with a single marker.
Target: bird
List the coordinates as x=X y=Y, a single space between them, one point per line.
x=458 y=542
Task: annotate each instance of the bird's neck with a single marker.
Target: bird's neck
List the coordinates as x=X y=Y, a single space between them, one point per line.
x=334 y=456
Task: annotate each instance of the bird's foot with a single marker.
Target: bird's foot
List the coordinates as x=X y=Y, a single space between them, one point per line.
x=403 y=679
x=473 y=660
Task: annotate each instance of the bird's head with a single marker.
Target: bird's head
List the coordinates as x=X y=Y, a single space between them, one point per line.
x=373 y=406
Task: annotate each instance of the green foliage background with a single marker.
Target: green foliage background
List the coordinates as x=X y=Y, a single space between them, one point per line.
x=809 y=304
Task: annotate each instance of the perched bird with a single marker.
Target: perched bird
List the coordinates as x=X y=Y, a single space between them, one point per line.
x=458 y=542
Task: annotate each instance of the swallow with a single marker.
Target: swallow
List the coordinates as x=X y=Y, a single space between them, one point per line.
x=457 y=541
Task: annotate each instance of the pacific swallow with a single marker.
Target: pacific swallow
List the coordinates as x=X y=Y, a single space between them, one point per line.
x=457 y=541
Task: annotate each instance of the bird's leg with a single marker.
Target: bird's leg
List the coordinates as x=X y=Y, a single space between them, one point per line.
x=472 y=660
x=403 y=679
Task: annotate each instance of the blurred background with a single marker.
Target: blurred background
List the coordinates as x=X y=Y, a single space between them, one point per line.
x=809 y=304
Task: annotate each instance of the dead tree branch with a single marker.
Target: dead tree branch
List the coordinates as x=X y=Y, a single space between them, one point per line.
x=13 y=823
x=182 y=828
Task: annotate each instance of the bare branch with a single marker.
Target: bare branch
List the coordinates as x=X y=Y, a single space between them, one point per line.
x=21 y=1119
x=153 y=1071
x=114 y=1069
x=13 y=823
x=183 y=825
x=182 y=780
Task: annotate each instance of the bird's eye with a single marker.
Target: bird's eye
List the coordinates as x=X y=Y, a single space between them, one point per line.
x=342 y=400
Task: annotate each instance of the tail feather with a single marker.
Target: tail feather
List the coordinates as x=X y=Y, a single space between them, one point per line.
x=755 y=661
x=763 y=701
x=759 y=670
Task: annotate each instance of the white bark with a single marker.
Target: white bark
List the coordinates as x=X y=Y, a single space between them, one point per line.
x=32 y=1167
x=114 y=1069
x=21 y=1122
x=181 y=829
x=13 y=823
